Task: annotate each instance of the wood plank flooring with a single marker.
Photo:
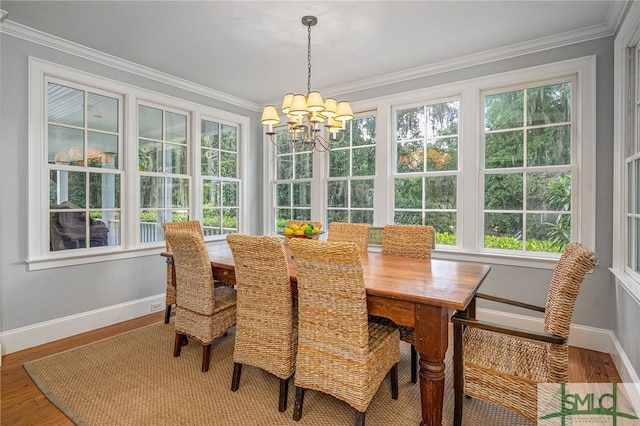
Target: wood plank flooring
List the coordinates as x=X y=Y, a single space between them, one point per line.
x=24 y=405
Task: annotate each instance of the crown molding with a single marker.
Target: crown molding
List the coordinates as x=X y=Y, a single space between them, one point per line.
x=35 y=36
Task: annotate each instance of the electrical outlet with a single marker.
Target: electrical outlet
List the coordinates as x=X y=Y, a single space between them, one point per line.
x=156 y=307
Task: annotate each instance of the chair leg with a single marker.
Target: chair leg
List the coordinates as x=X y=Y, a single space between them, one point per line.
x=458 y=378
x=393 y=376
x=359 y=418
x=177 y=346
x=297 y=407
x=414 y=364
x=206 y=356
x=167 y=314
x=284 y=391
x=237 y=372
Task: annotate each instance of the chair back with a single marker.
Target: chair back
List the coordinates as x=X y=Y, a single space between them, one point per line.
x=331 y=291
x=193 y=271
x=575 y=262
x=350 y=232
x=408 y=241
x=264 y=317
x=193 y=226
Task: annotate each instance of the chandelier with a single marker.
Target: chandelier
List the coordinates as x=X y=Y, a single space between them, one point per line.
x=306 y=114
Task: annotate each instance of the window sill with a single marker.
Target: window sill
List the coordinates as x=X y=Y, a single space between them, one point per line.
x=628 y=283
x=86 y=258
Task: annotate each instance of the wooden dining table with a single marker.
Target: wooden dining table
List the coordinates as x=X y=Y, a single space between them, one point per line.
x=419 y=293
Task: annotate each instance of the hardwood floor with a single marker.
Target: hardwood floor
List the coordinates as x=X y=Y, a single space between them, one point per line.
x=24 y=405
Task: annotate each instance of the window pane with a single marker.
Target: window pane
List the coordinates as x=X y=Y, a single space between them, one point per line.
x=504 y=110
x=339 y=163
x=442 y=154
x=210 y=162
x=548 y=232
x=410 y=157
x=212 y=220
x=66 y=146
x=284 y=167
x=98 y=230
x=149 y=122
x=549 y=191
x=178 y=190
x=410 y=123
x=176 y=130
x=283 y=194
x=503 y=231
x=102 y=151
x=337 y=193
x=104 y=190
x=503 y=192
x=102 y=113
x=362 y=194
x=445 y=226
x=504 y=149
x=151 y=192
x=549 y=104
x=65 y=105
x=549 y=146
x=408 y=193
x=229 y=137
x=407 y=218
x=230 y=194
x=211 y=193
x=362 y=216
x=364 y=161
x=301 y=194
x=304 y=165
x=302 y=214
x=229 y=221
x=176 y=159
x=68 y=230
x=210 y=134
x=67 y=189
x=440 y=192
x=337 y=216
x=364 y=131
x=149 y=156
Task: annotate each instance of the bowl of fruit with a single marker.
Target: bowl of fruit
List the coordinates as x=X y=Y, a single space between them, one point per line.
x=305 y=230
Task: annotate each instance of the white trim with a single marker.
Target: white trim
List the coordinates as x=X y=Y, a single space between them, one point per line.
x=35 y=36
x=60 y=328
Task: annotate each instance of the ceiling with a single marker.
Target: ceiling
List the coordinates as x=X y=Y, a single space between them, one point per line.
x=257 y=50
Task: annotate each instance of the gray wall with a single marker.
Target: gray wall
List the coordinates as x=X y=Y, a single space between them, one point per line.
x=32 y=297
x=37 y=296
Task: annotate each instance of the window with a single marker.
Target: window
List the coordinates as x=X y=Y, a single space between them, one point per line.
x=163 y=169
x=527 y=167
x=220 y=182
x=83 y=144
x=109 y=163
x=426 y=168
x=500 y=165
x=292 y=187
x=632 y=177
x=352 y=168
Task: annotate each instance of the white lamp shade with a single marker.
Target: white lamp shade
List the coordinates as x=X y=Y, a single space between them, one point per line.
x=315 y=102
x=286 y=103
x=330 y=107
x=299 y=105
x=270 y=115
x=344 y=112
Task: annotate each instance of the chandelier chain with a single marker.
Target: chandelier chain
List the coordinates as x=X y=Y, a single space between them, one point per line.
x=309 y=58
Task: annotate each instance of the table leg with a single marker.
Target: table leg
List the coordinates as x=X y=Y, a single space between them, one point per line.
x=431 y=328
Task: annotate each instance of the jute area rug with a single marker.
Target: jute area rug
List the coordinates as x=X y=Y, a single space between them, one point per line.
x=133 y=379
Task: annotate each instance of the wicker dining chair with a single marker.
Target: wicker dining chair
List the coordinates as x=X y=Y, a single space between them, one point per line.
x=415 y=242
x=350 y=232
x=170 y=297
x=266 y=332
x=203 y=312
x=339 y=351
x=503 y=365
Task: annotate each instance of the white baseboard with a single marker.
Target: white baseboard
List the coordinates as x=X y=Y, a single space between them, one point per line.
x=596 y=339
x=49 y=331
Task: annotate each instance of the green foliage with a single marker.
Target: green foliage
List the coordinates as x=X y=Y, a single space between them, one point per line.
x=512 y=243
x=445 y=238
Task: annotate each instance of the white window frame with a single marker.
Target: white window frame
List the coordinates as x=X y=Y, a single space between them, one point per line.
x=469 y=242
x=38 y=255
x=625 y=126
